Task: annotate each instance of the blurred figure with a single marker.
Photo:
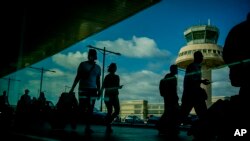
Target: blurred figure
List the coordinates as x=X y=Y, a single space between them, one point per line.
x=42 y=101
x=88 y=76
x=168 y=90
x=24 y=104
x=24 y=110
x=40 y=105
x=6 y=113
x=225 y=119
x=111 y=85
x=67 y=109
x=4 y=101
x=236 y=56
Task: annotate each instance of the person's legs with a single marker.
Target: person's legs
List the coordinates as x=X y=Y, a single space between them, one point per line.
x=161 y=125
x=200 y=108
x=91 y=98
x=198 y=126
x=172 y=118
x=83 y=103
x=185 y=109
x=116 y=105
x=109 y=113
x=86 y=110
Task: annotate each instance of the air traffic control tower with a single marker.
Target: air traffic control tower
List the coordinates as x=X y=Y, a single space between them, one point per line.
x=203 y=38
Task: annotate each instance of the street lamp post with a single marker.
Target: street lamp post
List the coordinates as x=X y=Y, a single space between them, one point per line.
x=103 y=63
x=42 y=71
x=9 y=79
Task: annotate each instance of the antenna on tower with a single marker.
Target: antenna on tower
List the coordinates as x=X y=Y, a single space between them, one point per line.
x=208 y=21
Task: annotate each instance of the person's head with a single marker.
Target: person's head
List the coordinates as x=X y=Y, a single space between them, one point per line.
x=4 y=93
x=236 y=54
x=26 y=91
x=198 y=57
x=92 y=55
x=112 y=68
x=174 y=69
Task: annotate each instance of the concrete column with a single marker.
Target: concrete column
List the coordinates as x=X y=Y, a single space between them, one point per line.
x=207 y=74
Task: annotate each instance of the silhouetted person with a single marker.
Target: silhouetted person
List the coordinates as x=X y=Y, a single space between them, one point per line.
x=6 y=113
x=226 y=118
x=24 y=104
x=168 y=90
x=23 y=111
x=111 y=85
x=67 y=109
x=192 y=92
x=39 y=106
x=4 y=100
x=42 y=101
x=88 y=76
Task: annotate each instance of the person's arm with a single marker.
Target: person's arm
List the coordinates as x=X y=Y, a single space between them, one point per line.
x=113 y=88
x=205 y=81
x=77 y=78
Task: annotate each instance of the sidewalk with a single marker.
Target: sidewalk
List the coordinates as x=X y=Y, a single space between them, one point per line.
x=45 y=133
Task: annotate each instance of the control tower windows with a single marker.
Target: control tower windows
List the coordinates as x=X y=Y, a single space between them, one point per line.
x=212 y=36
x=189 y=37
x=199 y=35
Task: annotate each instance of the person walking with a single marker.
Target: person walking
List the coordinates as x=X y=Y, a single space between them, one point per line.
x=193 y=95
x=168 y=90
x=88 y=76
x=111 y=84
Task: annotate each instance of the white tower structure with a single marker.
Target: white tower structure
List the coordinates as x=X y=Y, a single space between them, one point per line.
x=203 y=38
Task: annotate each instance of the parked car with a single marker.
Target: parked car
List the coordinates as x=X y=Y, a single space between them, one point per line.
x=133 y=119
x=152 y=120
x=190 y=119
x=99 y=116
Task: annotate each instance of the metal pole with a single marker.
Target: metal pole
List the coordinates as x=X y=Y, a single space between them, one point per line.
x=8 y=87
x=103 y=68
x=9 y=79
x=41 y=83
x=42 y=71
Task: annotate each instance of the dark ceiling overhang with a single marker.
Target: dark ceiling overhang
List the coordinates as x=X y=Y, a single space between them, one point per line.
x=38 y=29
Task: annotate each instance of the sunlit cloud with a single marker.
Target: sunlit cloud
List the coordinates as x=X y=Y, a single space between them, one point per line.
x=140 y=85
x=137 y=47
x=70 y=60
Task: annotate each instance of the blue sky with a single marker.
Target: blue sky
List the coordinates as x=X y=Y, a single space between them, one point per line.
x=148 y=41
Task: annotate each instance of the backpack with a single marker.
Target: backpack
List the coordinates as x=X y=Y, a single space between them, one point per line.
x=162 y=87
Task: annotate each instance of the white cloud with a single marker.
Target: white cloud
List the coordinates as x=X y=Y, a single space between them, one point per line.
x=141 y=85
x=138 y=47
x=71 y=60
